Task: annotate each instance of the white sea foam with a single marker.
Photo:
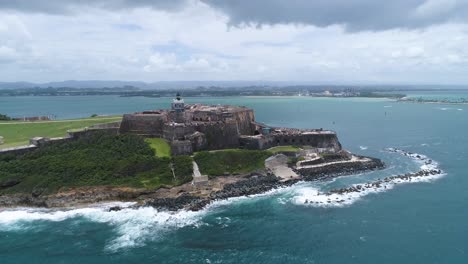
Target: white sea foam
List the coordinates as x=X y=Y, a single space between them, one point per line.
x=363 y=147
x=388 y=106
x=311 y=196
x=133 y=226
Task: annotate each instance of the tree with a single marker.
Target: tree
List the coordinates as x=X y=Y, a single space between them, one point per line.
x=4 y=117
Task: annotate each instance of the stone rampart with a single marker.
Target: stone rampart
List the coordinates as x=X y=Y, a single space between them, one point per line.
x=143 y=124
x=316 y=140
x=38 y=142
x=181 y=147
x=220 y=135
x=177 y=131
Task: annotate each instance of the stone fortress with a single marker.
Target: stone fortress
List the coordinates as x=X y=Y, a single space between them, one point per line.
x=195 y=127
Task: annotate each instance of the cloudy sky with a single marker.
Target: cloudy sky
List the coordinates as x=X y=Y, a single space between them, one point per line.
x=318 y=41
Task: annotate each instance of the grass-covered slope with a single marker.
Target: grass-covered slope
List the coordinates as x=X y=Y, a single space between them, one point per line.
x=94 y=160
x=280 y=149
x=17 y=133
x=161 y=146
x=231 y=161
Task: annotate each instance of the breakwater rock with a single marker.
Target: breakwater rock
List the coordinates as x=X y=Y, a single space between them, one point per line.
x=311 y=173
x=429 y=170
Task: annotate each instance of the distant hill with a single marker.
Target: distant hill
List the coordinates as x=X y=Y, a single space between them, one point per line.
x=184 y=85
x=137 y=84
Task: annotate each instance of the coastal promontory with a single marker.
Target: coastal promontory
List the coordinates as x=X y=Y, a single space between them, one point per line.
x=183 y=157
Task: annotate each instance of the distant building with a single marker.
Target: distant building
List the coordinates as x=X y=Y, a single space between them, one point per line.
x=33 y=118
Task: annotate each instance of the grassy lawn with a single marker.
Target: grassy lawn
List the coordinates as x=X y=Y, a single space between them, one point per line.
x=18 y=133
x=160 y=146
x=284 y=149
x=216 y=163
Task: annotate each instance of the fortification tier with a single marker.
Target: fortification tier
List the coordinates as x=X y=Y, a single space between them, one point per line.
x=207 y=127
x=242 y=116
x=148 y=123
x=199 y=127
x=322 y=140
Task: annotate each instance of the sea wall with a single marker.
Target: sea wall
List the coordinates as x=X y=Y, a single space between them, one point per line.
x=337 y=169
x=324 y=141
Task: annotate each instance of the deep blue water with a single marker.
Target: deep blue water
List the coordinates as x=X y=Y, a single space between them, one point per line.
x=418 y=222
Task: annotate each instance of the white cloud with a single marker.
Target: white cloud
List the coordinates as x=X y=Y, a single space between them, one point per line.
x=7 y=54
x=195 y=43
x=431 y=8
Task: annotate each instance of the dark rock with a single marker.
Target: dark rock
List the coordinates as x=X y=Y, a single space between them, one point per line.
x=9 y=183
x=115 y=208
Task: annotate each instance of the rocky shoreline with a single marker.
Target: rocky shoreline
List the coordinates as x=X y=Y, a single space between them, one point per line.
x=187 y=196
x=429 y=169
x=257 y=184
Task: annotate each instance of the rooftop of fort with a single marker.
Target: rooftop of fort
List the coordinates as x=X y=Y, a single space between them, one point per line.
x=198 y=108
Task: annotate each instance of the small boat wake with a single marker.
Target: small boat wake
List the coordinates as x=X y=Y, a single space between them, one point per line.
x=429 y=171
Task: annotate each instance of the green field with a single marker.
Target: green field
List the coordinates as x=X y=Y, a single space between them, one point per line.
x=231 y=161
x=160 y=146
x=284 y=149
x=17 y=133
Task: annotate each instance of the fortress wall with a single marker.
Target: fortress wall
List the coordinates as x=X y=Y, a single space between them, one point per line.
x=86 y=132
x=106 y=125
x=198 y=140
x=245 y=121
x=220 y=134
x=205 y=116
x=321 y=141
x=181 y=147
x=171 y=132
x=42 y=141
x=17 y=150
x=143 y=124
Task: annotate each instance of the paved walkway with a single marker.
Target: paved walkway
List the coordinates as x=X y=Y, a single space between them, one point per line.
x=197 y=176
x=353 y=159
x=278 y=165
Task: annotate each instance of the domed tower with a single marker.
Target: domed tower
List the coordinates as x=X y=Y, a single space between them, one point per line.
x=178 y=106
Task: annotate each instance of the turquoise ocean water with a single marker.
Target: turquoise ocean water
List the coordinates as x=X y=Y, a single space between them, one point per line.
x=417 y=222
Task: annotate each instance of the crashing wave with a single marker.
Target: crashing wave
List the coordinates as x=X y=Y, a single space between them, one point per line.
x=133 y=226
x=429 y=171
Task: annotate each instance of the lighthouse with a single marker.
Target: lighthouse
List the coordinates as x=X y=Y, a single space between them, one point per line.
x=178 y=106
